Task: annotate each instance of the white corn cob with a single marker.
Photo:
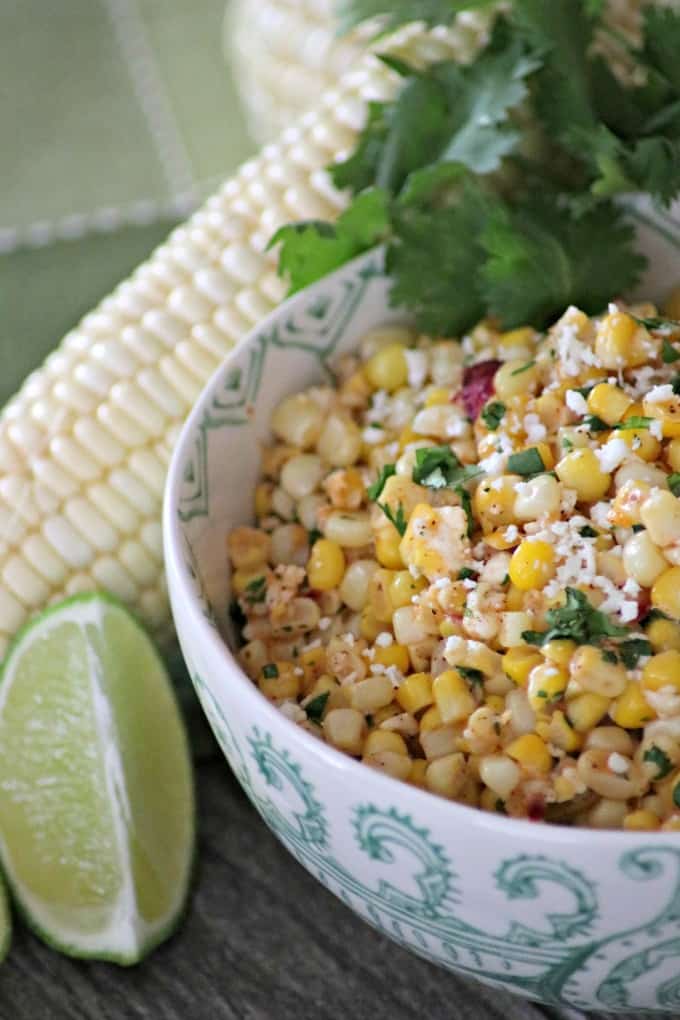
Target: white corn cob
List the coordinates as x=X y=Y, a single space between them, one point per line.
x=85 y=444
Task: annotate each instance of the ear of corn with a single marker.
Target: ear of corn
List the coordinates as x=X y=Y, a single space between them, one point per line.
x=85 y=444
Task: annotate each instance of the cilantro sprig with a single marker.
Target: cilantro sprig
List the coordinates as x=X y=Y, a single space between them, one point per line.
x=578 y=620
x=374 y=490
x=396 y=517
x=438 y=467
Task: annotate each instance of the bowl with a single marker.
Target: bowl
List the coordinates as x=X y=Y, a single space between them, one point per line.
x=576 y=917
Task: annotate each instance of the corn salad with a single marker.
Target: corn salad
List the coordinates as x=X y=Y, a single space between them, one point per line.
x=465 y=570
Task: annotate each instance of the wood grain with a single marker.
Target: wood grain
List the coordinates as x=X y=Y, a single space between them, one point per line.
x=262 y=941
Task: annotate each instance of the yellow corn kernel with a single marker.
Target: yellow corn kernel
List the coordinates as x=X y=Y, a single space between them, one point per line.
x=431 y=720
x=641 y=441
x=415 y=693
x=313 y=662
x=514 y=600
x=546 y=455
x=326 y=565
x=662 y=670
x=498 y=539
x=672 y=825
x=531 y=752
x=418 y=770
x=337 y=696
x=522 y=336
x=393 y=655
x=672 y=453
x=585 y=711
x=278 y=681
x=387 y=369
x=580 y=470
x=608 y=402
x=435 y=539
x=240 y=579
x=663 y=635
x=668 y=413
x=408 y=436
x=387 y=550
x=562 y=734
x=532 y=565
x=384 y=740
x=666 y=592
x=378 y=596
x=547 y=684
x=493 y=505
x=437 y=395
x=641 y=820
x=402 y=587
x=452 y=696
x=515 y=377
x=631 y=710
x=559 y=651
x=263 y=499
x=519 y=661
x=496 y=702
x=447 y=628
x=621 y=343
x=369 y=625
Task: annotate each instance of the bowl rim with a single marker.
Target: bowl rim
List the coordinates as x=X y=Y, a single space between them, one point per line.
x=181 y=585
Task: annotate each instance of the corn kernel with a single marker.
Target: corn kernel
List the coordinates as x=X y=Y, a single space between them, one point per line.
x=496 y=702
x=585 y=711
x=393 y=655
x=631 y=710
x=446 y=775
x=641 y=441
x=345 y=728
x=580 y=470
x=531 y=752
x=418 y=770
x=514 y=600
x=384 y=740
x=608 y=402
x=387 y=550
x=559 y=651
x=452 y=696
x=547 y=684
x=562 y=734
x=326 y=565
x=369 y=625
x=522 y=336
x=408 y=436
x=378 y=596
x=515 y=377
x=402 y=587
x=662 y=670
x=387 y=369
x=668 y=413
x=672 y=453
x=663 y=635
x=532 y=565
x=641 y=820
x=493 y=506
x=431 y=720
x=620 y=342
x=277 y=681
x=240 y=579
x=519 y=661
x=263 y=499
x=437 y=395
x=666 y=592
x=415 y=693
x=546 y=454
x=313 y=662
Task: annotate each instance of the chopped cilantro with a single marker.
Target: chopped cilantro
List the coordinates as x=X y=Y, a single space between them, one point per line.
x=638 y=527
x=675 y=385
x=567 y=444
x=584 y=390
x=256 y=590
x=492 y=415
x=674 y=483
x=475 y=676
x=499 y=806
x=632 y=650
x=659 y=758
x=398 y=519
x=437 y=467
x=467 y=574
x=658 y=323
x=523 y=368
x=588 y=532
x=635 y=421
x=466 y=503
x=313 y=536
x=387 y=471
x=610 y=656
x=577 y=620
x=270 y=671
x=316 y=706
x=669 y=354
x=595 y=424
x=506 y=579
x=528 y=462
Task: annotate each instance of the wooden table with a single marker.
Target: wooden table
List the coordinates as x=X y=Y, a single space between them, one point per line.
x=262 y=941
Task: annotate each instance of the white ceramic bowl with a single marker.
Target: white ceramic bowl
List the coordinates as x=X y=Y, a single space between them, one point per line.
x=572 y=916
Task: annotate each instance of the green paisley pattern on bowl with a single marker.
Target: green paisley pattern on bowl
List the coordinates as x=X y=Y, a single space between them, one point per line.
x=547 y=961
x=560 y=943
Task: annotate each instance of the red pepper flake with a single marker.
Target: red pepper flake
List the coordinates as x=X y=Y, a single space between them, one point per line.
x=477 y=386
x=536 y=809
x=644 y=604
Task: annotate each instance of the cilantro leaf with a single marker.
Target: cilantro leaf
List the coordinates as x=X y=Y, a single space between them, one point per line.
x=492 y=414
x=662 y=43
x=438 y=467
x=315 y=707
x=657 y=757
x=394 y=13
x=270 y=671
x=542 y=258
x=658 y=323
x=527 y=462
x=475 y=676
x=313 y=248
x=674 y=483
x=636 y=421
x=577 y=620
x=595 y=424
x=588 y=532
x=398 y=519
x=632 y=650
x=467 y=574
x=387 y=471
x=255 y=590
x=466 y=503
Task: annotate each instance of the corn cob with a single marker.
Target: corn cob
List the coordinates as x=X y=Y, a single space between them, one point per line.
x=85 y=444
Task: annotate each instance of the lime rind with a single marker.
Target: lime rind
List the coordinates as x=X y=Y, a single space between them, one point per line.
x=129 y=938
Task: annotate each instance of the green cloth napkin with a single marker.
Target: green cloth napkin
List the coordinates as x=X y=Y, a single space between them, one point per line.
x=117 y=117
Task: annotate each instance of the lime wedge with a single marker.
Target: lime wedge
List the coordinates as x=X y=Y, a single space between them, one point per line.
x=96 y=786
